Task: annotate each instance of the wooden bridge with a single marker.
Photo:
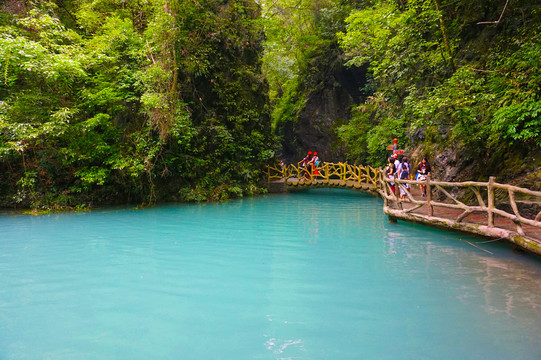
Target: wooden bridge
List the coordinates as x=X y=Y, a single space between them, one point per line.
x=364 y=178
x=489 y=209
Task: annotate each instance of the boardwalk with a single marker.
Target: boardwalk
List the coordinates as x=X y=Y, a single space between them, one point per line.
x=492 y=210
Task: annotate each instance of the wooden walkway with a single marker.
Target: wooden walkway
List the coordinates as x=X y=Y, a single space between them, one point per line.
x=487 y=209
x=326 y=175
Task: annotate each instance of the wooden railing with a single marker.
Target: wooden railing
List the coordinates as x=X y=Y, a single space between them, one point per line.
x=500 y=211
x=486 y=208
x=342 y=174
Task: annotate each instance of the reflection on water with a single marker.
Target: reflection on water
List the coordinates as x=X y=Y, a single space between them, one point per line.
x=507 y=287
x=507 y=282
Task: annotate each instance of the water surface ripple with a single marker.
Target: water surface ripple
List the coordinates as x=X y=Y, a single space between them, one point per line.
x=318 y=274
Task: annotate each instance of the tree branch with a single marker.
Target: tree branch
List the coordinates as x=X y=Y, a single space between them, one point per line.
x=495 y=22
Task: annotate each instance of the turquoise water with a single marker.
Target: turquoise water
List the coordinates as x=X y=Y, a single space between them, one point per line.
x=319 y=274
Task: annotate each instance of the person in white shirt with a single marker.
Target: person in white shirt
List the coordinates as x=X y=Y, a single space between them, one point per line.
x=398 y=168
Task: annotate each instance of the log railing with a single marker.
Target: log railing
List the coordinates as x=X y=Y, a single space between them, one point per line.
x=485 y=208
x=343 y=174
x=503 y=209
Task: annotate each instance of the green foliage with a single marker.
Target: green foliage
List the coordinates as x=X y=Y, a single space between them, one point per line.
x=109 y=101
x=442 y=81
x=368 y=139
x=301 y=56
x=401 y=46
x=289 y=106
x=517 y=83
x=297 y=32
x=519 y=122
x=378 y=139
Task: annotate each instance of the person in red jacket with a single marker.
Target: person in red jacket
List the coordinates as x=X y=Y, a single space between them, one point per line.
x=315 y=162
x=304 y=163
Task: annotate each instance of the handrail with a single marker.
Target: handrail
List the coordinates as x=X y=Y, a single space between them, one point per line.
x=447 y=200
x=325 y=173
x=491 y=209
x=484 y=193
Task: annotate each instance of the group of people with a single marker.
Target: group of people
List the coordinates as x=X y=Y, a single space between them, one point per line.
x=310 y=163
x=401 y=169
x=396 y=169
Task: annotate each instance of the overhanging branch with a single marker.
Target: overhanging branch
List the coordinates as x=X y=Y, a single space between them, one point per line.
x=498 y=21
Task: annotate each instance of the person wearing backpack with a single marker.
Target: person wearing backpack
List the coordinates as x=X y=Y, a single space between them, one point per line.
x=404 y=175
x=304 y=165
x=315 y=162
x=391 y=172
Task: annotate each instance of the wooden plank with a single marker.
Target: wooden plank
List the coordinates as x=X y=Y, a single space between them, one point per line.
x=517 y=189
x=429 y=196
x=514 y=218
x=464 y=206
x=479 y=197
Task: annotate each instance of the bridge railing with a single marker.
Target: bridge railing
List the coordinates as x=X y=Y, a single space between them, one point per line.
x=275 y=172
x=517 y=208
x=326 y=173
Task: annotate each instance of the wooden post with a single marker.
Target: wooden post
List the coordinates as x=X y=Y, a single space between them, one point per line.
x=429 y=196
x=490 y=192
x=515 y=210
x=366 y=175
x=383 y=186
x=327 y=176
x=397 y=194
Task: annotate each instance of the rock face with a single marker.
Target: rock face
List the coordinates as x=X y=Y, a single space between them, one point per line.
x=325 y=110
x=453 y=163
x=14 y=7
x=449 y=165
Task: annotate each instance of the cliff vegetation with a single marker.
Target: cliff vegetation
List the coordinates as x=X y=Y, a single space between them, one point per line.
x=110 y=101
x=456 y=81
x=114 y=101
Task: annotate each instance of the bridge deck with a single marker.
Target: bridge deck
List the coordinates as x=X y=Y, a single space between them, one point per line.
x=302 y=183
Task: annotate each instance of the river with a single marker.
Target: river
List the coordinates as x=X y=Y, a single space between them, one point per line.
x=316 y=274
